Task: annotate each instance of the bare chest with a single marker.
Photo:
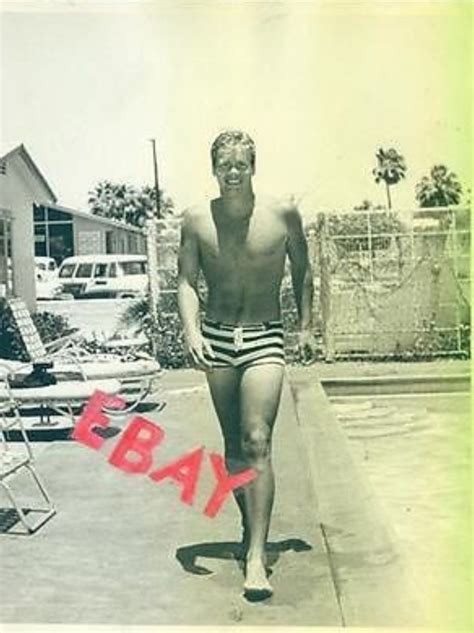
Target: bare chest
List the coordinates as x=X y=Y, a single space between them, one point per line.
x=242 y=247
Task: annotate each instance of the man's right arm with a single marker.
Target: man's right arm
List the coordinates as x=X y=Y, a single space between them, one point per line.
x=188 y=298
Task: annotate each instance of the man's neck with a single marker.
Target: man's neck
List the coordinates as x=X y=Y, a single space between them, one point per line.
x=238 y=206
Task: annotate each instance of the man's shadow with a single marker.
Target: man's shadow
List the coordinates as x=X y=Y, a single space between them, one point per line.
x=231 y=550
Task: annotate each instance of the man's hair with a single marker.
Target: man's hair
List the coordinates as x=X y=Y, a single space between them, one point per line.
x=233 y=137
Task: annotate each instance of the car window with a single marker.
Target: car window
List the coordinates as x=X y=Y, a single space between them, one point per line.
x=133 y=268
x=67 y=270
x=52 y=266
x=100 y=270
x=113 y=270
x=84 y=270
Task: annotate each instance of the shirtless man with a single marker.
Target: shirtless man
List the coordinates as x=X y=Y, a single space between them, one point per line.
x=240 y=242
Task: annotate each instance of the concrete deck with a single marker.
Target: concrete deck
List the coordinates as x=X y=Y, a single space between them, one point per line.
x=124 y=550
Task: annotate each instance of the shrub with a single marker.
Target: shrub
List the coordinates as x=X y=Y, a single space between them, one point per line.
x=355 y=227
x=50 y=327
x=167 y=331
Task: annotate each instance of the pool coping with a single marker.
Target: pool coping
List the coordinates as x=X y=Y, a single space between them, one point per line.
x=397 y=384
x=371 y=577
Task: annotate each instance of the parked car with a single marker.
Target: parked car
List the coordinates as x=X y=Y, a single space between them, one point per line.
x=122 y=276
x=46 y=267
x=47 y=284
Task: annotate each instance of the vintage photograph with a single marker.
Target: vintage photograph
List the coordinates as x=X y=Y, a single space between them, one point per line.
x=235 y=298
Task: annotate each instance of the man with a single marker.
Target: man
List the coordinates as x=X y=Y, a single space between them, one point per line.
x=239 y=241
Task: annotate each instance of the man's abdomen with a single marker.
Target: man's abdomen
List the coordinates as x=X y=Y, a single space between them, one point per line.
x=244 y=305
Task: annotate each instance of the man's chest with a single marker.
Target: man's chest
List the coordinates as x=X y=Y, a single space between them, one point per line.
x=237 y=246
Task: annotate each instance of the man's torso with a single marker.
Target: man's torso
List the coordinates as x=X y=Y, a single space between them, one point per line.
x=242 y=261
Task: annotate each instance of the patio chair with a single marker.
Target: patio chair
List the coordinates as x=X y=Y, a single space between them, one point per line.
x=135 y=376
x=18 y=456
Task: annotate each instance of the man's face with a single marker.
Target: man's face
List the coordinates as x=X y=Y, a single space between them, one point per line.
x=233 y=169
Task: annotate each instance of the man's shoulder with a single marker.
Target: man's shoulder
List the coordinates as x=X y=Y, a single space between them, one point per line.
x=284 y=206
x=195 y=213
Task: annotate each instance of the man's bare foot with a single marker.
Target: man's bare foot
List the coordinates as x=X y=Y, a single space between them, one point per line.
x=256 y=585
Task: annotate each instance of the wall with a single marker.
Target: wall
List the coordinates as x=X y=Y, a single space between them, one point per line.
x=19 y=190
x=90 y=238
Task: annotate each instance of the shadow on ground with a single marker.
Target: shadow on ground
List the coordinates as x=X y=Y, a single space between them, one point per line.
x=232 y=550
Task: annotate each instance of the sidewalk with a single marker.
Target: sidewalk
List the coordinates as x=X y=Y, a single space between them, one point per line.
x=125 y=550
x=110 y=553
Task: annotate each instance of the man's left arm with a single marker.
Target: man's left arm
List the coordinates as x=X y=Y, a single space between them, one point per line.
x=302 y=279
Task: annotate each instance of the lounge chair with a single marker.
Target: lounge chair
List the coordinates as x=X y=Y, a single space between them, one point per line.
x=70 y=360
x=62 y=397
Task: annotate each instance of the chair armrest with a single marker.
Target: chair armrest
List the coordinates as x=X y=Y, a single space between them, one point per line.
x=62 y=342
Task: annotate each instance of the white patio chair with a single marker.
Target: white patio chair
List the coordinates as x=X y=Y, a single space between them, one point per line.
x=14 y=458
x=136 y=376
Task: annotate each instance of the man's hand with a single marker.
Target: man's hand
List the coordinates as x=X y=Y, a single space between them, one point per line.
x=196 y=345
x=307 y=346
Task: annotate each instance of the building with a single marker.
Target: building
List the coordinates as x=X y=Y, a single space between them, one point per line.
x=21 y=185
x=32 y=223
x=60 y=232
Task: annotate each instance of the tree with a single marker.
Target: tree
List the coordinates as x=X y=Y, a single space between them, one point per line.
x=125 y=203
x=391 y=168
x=440 y=189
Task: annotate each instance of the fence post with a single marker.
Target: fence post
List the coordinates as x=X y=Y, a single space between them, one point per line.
x=325 y=289
x=454 y=234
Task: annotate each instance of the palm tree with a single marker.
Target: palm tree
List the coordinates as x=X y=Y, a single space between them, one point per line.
x=440 y=189
x=126 y=203
x=391 y=168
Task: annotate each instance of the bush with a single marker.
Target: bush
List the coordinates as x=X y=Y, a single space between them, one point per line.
x=354 y=226
x=50 y=327
x=168 y=331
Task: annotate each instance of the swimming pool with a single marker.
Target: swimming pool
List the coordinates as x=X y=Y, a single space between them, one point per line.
x=415 y=450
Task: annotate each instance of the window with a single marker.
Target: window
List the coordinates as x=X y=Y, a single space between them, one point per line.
x=100 y=270
x=39 y=214
x=113 y=270
x=133 y=268
x=40 y=240
x=67 y=270
x=84 y=270
x=60 y=241
x=54 y=215
x=6 y=271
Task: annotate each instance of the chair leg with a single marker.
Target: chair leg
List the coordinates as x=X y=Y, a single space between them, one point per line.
x=40 y=484
x=46 y=513
x=145 y=391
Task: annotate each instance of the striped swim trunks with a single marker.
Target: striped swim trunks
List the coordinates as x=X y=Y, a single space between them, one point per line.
x=244 y=345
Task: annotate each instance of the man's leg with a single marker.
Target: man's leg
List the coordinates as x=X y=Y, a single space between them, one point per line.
x=260 y=392
x=224 y=385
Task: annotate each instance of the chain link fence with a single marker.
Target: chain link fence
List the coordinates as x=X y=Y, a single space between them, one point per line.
x=390 y=289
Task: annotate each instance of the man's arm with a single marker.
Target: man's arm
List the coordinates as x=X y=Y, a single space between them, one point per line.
x=302 y=278
x=188 y=298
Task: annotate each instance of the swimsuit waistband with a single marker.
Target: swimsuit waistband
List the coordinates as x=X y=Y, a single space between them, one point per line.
x=247 y=327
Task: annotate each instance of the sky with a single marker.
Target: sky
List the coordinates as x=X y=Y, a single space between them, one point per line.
x=320 y=87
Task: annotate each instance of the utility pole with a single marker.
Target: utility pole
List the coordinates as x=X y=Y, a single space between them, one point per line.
x=157 y=188
x=152 y=254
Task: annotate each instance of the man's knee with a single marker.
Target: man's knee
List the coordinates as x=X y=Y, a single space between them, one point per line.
x=235 y=461
x=256 y=442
